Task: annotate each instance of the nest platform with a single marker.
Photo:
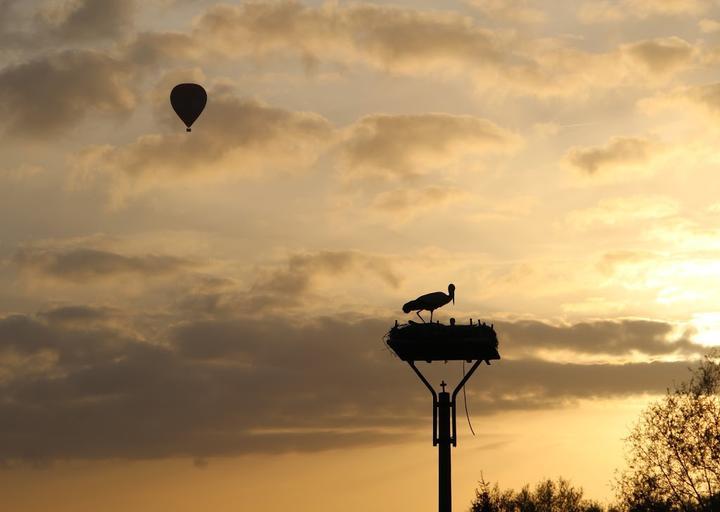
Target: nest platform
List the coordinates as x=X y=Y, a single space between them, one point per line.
x=439 y=342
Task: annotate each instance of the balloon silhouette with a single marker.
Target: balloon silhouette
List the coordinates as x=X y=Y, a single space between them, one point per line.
x=188 y=101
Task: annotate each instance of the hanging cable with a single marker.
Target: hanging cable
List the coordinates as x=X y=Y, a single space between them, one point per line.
x=467 y=415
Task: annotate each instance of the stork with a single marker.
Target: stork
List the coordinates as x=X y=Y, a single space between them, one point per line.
x=430 y=302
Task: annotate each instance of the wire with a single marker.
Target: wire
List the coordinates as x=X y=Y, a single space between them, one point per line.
x=467 y=415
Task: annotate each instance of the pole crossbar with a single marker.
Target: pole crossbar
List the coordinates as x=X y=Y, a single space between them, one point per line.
x=435 y=399
x=454 y=394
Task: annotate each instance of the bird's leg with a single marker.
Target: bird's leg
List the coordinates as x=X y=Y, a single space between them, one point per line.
x=431 y=312
x=418 y=314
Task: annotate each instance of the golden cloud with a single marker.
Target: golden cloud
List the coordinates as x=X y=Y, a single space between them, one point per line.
x=405 y=145
x=386 y=36
x=603 y=11
x=403 y=204
x=662 y=55
x=513 y=11
x=618 y=152
x=235 y=138
x=424 y=41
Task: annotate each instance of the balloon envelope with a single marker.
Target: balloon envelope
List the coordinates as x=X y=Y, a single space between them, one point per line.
x=188 y=101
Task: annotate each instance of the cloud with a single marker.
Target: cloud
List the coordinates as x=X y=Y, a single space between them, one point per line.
x=287 y=286
x=707 y=96
x=703 y=98
x=603 y=11
x=398 y=146
x=412 y=41
x=48 y=95
x=662 y=55
x=22 y=172
x=618 y=152
x=619 y=211
x=158 y=48
x=415 y=41
x=129 y=398
x=302 y=268
x=243 y=137
x=709 y=26
x=86 y=264
x=608 y=337
x=51 y=92
x=403 y=204
x=78 y=315
x=84 y=20
x=221 y=387
x=307 y=282
x=385 y=36
x=14 y=32
x=234 y=137
x=611 y=261
x=515 y=11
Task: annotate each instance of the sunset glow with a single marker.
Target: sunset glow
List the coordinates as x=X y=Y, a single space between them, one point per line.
x=194 y=321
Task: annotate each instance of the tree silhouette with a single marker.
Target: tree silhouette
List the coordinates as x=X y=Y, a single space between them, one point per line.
x=673 y=459
x=547 y=496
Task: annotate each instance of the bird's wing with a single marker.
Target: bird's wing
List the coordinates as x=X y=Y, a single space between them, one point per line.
x=432 y=299
x=411 y=306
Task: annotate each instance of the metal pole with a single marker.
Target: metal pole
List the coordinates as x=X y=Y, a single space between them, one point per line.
x=444 y=462
x=444 y=432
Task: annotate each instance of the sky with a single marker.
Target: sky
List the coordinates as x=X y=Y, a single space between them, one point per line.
x=195 y=321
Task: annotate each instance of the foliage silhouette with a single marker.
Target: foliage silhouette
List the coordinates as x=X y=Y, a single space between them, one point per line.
x=547 y=496
x=673 y=459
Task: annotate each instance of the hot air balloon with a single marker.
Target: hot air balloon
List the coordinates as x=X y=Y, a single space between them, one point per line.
x=188 y=101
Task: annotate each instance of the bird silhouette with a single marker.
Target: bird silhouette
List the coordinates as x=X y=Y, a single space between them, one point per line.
x=430 y=302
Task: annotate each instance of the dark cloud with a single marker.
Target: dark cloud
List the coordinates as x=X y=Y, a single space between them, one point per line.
x=608 y=337
x=85 y=20
x=223 y=387
x=13 y=31
x=31 y=25
x=45 y=96
x=82 y=264
x=155 y=48
x=77 y=315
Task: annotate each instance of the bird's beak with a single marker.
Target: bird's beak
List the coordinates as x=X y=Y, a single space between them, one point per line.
x=453 y=299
